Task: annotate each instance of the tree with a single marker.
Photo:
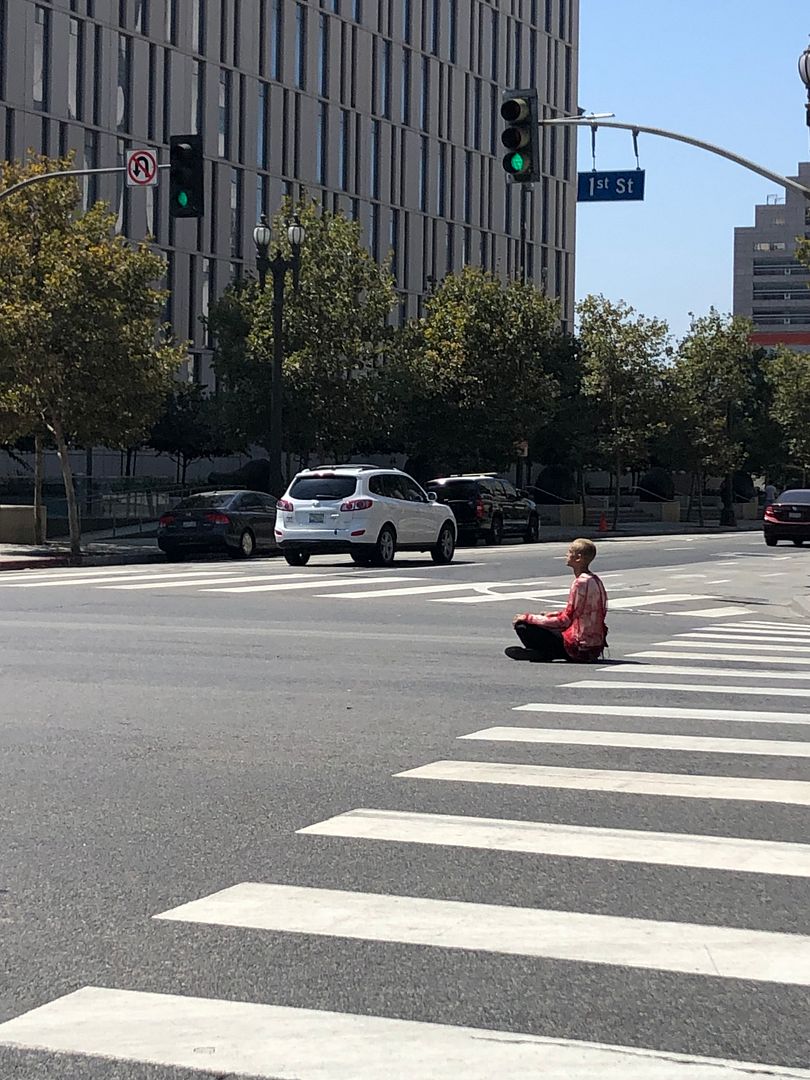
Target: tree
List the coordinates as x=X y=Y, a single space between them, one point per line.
x=788 y=374
x=335 y=332
x=714 y=377
x=476 y=374
x=81 y=346
x=623 y=356
x=193 y=426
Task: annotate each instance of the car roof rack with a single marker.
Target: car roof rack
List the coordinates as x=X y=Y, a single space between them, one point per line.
x=351 y=465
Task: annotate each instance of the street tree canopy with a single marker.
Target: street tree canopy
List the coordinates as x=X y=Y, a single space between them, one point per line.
x=82 y=350
x=789 y=376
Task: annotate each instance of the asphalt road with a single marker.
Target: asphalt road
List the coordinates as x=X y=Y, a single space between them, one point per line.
x=163 y=739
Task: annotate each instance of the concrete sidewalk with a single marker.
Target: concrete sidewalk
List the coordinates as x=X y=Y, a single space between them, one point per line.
x=141 y=548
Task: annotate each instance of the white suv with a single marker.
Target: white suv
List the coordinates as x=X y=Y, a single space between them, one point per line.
x=364 y=510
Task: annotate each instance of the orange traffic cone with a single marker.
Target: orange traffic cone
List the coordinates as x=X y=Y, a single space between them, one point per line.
x=603 y=524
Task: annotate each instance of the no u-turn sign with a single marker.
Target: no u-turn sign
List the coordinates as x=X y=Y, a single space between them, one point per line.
x=142 y=168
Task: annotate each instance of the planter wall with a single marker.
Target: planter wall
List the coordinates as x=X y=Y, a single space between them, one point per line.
x=566 y=514
x=17 y=524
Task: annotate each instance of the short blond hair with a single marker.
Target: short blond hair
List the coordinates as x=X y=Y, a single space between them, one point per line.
x=585 y=548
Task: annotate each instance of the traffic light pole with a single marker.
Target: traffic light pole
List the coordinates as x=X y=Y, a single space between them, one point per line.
x=62 y=173
x=752 y=166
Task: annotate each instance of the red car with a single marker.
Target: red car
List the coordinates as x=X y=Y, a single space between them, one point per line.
x=788 y=518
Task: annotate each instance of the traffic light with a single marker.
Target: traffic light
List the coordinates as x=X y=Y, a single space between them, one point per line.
x=521 y=136
x=186 y=188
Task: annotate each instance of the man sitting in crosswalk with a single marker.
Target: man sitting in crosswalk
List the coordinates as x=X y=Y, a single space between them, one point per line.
x=578 y=633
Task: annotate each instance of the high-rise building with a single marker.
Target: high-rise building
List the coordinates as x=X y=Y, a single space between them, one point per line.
x=385 y=109
x=770 y=286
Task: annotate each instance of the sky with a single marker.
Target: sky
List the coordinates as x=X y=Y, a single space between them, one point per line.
x=725 y=71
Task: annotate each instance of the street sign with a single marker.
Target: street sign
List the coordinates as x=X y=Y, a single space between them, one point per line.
x=625 y=186
x=142 y=168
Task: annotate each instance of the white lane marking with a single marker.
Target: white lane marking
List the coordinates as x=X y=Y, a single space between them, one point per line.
x=688 y=577
x=686 y=688
x=106 y=579
x=677 y=785
x=712 y=613
x=735 y=673
x=637 y=740
x=727 y=952
x=275 y=1042
x=653 y=712
x=647 y=601
x=752 y=636
x=483 y=586
x=552 y=595
x=762 y=624
x=708 y=641
x=312 y=584
x=719 y=581
x=571 y=841
x=653 y=654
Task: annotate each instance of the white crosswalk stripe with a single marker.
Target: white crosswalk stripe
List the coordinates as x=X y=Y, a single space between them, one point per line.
x=272 y=1042
x=669 y=712
x=663 y=654
x=690 y=688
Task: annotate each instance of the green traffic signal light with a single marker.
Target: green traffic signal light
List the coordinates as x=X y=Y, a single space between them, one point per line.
x=520 y=110
x=182 y=198
x=518 y=163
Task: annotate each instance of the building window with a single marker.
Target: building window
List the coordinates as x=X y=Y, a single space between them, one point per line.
x=41 y=58
x=322 y=157
x=197 y=95
x=452 y=29
x=300 y=46
x=236 y=213
x=357 y=10
x=170 y=21
x=343 y=149
x=123 y=92
x=323 y=56
x=406 y=20
x=424 y=165
x=198 y=26
x=406 y=87
x=90 y=162
x=75 y=69
x=223 y=127
x=276 y=32
x=385 y=78
x=441 y=181
x=261 y=127
x=424 y=102
x=141 y=20
x=374 y=155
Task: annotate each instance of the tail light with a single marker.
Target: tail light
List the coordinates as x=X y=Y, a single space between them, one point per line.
x=217 y=519
x=769 y=509
x=479 y=508
x=284 y=504
x=167 y=519
x=357 y=504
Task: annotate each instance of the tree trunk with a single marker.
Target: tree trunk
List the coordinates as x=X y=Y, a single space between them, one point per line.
x=727 y=516
x=701 y=518
x=691 y=501
x=617 y=501
x=39 y=468
x=183 y=463
x=70 y=490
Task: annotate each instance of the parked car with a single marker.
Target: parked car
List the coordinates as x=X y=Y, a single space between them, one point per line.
x=367 y=511
x=487 y=507
x=237 y=522
x=788 y=518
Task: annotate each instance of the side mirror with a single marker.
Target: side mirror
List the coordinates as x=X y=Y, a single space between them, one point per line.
x=431 y=496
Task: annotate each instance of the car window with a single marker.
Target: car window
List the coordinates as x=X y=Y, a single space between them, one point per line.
x=249 y=502
x=796 y=495
x=323 y=487
x=202 y=501
x=393 y=486
x=453 y=489
x=413 y=493
x=496 y=487
x=268 y=503
x=376 y=485
x=509 y=491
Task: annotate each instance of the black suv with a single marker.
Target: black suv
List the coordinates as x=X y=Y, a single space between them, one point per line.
x=486 y=506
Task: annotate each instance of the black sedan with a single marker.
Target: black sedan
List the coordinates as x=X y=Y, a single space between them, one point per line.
x=788 y=518
x=237 y=522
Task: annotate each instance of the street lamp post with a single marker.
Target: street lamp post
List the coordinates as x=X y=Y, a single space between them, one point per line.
x=804 y=71
x=278 y=267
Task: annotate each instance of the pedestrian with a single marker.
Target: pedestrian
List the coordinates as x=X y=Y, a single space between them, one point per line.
x=770 y=493
x=578 y=633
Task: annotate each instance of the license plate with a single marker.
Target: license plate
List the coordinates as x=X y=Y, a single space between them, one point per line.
x=315 y=519
x=189 y=524
x=794 y=515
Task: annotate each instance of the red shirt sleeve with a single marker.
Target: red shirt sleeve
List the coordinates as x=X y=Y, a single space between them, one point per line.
x=562 y=619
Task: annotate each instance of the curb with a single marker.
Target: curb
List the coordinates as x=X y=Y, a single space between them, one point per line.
x=48 y=561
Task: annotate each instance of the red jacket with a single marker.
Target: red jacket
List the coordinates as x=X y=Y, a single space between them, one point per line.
x=584 y=632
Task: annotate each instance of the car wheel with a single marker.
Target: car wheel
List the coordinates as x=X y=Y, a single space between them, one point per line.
x=361 y=558
x=297 y=558
x=495 y=534
x=444 y=549
x=798 y=543
x=386 y=546
x=770 y=541
x=532 y=534
x=247 y=546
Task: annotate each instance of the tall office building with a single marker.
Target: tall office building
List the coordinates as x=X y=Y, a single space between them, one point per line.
x=770 y=286
x=385 y=109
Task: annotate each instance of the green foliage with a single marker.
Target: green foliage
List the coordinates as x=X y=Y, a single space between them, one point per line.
x=194 y=426
x=788 y=375
x=335 y=334
x=476 y=374
x=82 y=351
